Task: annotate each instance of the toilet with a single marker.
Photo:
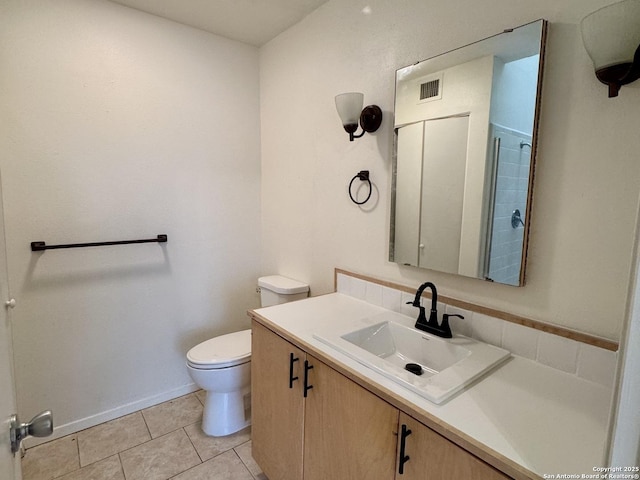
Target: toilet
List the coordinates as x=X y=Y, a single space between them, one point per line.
x=222 y=365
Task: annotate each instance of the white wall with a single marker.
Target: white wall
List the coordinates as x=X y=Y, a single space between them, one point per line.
x=116 y=124
x=513 y=98
x=120 y=125
x=587 y=178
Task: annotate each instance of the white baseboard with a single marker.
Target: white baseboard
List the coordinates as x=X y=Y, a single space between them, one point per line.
x=98 y=418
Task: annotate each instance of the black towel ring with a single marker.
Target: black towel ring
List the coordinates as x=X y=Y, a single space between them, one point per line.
x=364 y=176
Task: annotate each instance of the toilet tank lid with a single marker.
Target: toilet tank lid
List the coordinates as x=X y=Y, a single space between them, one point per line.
x=283 y=285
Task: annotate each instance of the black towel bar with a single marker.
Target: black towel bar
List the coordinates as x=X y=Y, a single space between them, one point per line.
x=39 y=246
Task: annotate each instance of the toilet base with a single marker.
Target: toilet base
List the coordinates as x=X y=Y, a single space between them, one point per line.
x=226 y=413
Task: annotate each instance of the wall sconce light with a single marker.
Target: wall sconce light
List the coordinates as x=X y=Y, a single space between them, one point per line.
x=611 y=36
x=349 y=106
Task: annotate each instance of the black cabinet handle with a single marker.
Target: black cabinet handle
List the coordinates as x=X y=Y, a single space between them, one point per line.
x=307 y=387
x=403 y=442
x=292 y=360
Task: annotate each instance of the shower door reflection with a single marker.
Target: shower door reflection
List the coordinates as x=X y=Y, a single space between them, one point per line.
x=512 y=161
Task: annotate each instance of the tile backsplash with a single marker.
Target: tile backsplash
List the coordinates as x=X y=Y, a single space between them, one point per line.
x=571 y=356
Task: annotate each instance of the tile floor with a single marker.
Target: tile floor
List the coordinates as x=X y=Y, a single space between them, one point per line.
x=158 y=443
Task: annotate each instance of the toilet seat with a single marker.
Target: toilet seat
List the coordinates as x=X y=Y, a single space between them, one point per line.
x=224 y=351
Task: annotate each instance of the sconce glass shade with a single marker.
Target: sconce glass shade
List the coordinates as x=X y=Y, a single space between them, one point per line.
x=349 y=106
x=611 y=36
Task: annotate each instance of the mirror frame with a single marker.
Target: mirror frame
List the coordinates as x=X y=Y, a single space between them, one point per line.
x=534 y=145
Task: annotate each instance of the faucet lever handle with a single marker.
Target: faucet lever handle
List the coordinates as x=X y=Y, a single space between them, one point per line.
x=446 y=329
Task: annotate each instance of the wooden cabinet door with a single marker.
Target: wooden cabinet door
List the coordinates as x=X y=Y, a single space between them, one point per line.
x=277 y=404
x=433 y=457
x=349 y=432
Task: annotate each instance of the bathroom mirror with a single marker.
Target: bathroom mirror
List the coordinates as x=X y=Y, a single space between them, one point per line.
x=465 y=144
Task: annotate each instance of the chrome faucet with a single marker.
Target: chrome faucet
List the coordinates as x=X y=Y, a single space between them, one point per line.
x=432 y=325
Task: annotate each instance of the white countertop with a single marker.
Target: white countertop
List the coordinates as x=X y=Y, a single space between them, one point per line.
x=545 y=420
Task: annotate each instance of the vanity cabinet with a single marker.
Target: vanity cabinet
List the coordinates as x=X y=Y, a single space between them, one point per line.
x=349 y=432
x=276 y=409
x=340 y=430
x=310 y=422
x=424 y=454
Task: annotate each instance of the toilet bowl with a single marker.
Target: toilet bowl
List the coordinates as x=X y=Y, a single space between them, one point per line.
x=222 y=365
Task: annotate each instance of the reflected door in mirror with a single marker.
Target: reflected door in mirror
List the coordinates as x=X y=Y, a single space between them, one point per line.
x=432 y=179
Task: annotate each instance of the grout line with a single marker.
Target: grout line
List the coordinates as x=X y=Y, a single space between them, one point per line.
x=140 y=444
x=146 y=424
x=184 y=471
x=161 y=436
x=193 y=445
x=201 y=463
x=242 y=462
x=124 y=475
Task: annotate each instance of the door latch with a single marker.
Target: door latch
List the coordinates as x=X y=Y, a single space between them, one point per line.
x=40 y=426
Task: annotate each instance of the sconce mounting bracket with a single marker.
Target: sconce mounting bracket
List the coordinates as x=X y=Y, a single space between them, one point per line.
x=371 y=118
x=622 y=74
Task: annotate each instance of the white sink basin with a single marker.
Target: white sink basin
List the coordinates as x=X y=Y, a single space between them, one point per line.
x=448 y=364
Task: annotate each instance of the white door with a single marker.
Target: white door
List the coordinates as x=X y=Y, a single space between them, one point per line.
x=444 y=166
x=9 y=464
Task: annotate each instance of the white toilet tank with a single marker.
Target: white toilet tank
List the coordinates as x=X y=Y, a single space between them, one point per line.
x=276 y=289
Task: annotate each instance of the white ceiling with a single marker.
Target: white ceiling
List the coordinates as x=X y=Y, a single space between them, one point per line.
x=250 y=21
